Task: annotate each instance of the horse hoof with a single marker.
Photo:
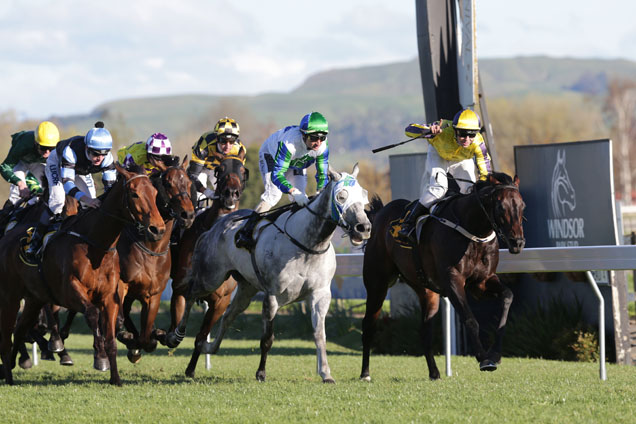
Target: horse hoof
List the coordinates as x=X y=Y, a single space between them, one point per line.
x=56 y=345
x=66 y=360
x=487 y=365
x=329 y=381
x=26 y=364
x=134 y=355
x=260 y=375
x=101 y=364
x=366 y=378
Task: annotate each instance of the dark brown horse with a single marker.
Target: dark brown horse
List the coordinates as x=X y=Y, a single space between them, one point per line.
x=231 y=179
x=145 y=264
x=80 y=269
x=446 y=261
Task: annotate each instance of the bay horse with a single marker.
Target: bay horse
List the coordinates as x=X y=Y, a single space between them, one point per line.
x=457 y=253
x=79 y=268
x=145 y=264
x=293 y=260
x=231 y=178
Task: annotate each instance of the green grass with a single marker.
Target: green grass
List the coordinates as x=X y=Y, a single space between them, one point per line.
x=156 y=390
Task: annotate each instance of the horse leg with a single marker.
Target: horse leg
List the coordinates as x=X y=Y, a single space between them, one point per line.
x=242 y=300
x=174 y=338
x=128 y=335
x=270 y=307
x=56 y=344
x=26 y=322
x=66 y=328
x=457 y=296
x=148 y=316
x=495 y=287
x=177 y=309
x=217 y=305
x=376 y=282
x=24 y=361
x=429 y=304
x=319 y=302
x=111 y=310
x=8 y=314
x=91 y=315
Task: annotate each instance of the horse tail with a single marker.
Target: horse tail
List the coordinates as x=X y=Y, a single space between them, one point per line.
x=374 y=206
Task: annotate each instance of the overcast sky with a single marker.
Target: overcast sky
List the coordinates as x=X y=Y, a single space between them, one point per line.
x=68 y=56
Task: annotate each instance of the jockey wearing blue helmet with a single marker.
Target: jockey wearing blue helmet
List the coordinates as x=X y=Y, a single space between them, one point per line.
x=68 y=171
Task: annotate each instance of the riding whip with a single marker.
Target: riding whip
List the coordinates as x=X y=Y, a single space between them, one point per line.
x=390 y=146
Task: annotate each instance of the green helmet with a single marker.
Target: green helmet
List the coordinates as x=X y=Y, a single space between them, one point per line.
x=314 y=122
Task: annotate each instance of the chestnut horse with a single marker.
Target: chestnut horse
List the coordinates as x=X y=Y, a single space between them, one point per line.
x=231 y=177
x=457 y=252
x=79 y=269
x=145 y=265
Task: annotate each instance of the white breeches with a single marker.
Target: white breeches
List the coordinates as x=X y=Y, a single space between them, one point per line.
x=272 y=194
x=435 y=180
x=56 y=189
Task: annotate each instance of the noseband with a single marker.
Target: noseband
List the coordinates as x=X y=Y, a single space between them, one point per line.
x=166 y=208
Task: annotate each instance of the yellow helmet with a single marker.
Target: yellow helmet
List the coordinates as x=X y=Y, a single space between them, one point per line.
x=47 y=134
x=466 y=120
x=227 y=126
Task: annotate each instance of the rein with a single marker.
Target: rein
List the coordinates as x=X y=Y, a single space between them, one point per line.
x=491 y=220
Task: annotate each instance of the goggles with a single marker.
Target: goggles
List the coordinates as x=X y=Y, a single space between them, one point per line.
x=317 y=137
x=96 y=153
x=45 y=148
x=228 y=139
x=466 y=133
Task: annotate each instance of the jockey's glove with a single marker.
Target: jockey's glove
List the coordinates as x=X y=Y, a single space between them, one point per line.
x=300 y=198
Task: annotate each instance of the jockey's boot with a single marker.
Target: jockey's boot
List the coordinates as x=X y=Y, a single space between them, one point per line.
x=244 y=237
x=409 y=223
x=31 y=252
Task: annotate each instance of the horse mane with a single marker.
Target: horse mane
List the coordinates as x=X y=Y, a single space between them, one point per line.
x=501 y=177
x=374 y=206
x=133 y=167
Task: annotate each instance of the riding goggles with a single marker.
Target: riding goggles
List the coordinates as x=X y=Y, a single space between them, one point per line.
x=466 y=133
x=95 y=152
x=44 y=149
x=229 y=138
x=317 y=137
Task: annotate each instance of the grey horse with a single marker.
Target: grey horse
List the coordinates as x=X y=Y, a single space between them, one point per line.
x=293 y=260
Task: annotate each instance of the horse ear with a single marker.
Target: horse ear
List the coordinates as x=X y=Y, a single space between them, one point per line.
x=516 y=180
x=492 y=180
x=120 y=169
x=218 y=156
x=333 y=174
x=356 y=169
x=184 y=163
x=241 y=154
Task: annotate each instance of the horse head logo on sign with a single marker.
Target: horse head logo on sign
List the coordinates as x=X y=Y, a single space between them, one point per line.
x=563 y=195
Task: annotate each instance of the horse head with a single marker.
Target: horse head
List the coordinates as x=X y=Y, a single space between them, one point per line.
x=231 y=177
x=507 y=210
x=348 y=200
x=140 y=202
x=175 y=188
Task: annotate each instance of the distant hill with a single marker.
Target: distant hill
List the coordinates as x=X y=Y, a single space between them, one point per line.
x=366 y=107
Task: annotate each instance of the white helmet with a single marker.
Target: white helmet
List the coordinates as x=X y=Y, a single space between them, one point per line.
x=158 y=144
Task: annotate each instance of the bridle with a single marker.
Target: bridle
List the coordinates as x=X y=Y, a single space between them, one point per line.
x=492 y=217
x=165 y=208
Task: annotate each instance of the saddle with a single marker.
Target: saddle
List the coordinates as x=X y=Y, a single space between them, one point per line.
x=244 y=237
x=396 y=225
x=25 y=242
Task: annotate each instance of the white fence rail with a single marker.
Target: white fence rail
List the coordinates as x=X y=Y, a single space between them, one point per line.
x=544 y=259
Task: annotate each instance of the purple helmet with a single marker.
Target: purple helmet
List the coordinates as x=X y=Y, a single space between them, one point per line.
x=158 y=144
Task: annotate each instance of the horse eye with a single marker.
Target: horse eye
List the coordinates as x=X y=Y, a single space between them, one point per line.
x=342 y=195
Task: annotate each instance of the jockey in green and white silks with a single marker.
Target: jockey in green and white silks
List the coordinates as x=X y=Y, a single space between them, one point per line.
x=285 y=157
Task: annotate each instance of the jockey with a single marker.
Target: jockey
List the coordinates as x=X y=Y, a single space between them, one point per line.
x=148 y=154
x=25 y=162
x=458 y=147
x=68 y=171
x=224 y=139
x=283 y=161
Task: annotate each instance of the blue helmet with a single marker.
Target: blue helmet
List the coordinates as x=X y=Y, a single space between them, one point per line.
x=99 y=140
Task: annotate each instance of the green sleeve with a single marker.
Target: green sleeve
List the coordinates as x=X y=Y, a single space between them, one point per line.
x=21 y=146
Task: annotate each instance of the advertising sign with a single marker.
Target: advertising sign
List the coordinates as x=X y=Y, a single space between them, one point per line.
x=569 y=193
